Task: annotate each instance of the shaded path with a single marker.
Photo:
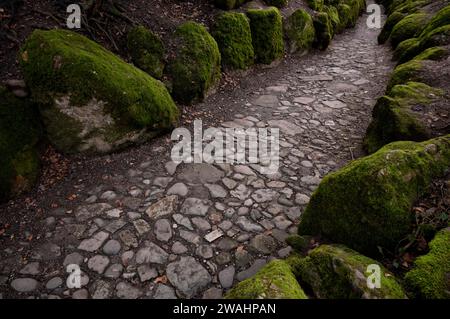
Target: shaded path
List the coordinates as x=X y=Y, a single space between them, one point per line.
x=141 y=227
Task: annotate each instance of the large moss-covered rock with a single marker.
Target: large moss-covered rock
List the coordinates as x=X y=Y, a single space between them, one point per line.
x=195 y=69
x=337 y=272
x=324 y=31
x=20 y=131
x=430 y=276
x=408 y=27
x=146 y=50
x=233 y=35
x=440 y=19
x=390 y=23
x=90 y=99
x=407 y=72
x=267 y=34
x=333 y=14
x=274 y=281
x=399 y=117
x=316 y=4
x=367 y=204
x=299 y=31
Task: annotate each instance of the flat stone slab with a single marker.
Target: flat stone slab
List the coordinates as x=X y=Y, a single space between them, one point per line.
x=266 y=101
x=200 y=173
x=188 y=276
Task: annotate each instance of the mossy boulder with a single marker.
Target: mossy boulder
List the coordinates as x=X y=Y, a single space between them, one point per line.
x=299 y=31
x=407 y=72
x=397 y=117
x=233 y=35
x=20 y=131
x=367 y=204
x=434 y=53
x=403 y=47
x=195 y=68
x=333 y=14
x=345 y=15
x=337 y=272
x=316 y=4
x=274 y=281
x=267 y=34
x=440 y=19
x=146 y=50
x=324 y=31
x=89 y=99
x=430 y=276
x=277 y=3
x=408 y=27
x=390 y=23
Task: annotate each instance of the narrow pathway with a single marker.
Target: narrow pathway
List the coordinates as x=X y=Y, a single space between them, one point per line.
x=149 y=230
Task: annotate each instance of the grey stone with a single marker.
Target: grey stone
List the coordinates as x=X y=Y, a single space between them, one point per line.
x=151 y=254
x=264 y=195
x=195 y=206
x=263 y=244
x=128 y=238
x=146 y=273
x=183 y=221
x=286 y=127
x=98 y=263
x=101 y=290
x=32 y=268
x=162 y=181
x=80 y=294
x=179 y=189
x=227 y=244
x=335 y=104
x=266 y=101
x=226 y=277
x=125 y=290
x=48 y=251
x=178 y=248
x=94 y=243
x=24 y=284
x=301 y=199
x=212 y=293
x=188 y=276
x=247 y=225
x=241 y=192
x=163 y=230
x=164 y=292
x=54 y=283
x=281 y=222
x=190 y=237
x=201 y=224
x=216 y=191
x=114 y=271
x=200 y=173
x=112 y=247
x=204 y=251
x=108 y=195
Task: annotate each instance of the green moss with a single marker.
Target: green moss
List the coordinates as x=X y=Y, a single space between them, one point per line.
x=438 y=37
x=440 y=19
x=61 y=63
x=336 y=25
x=277 y=3
x=429 y=278
x=406 y=72
x=273 y=281
x=315 y=4
x=233 y=35
x=434 y=53
x=299 y=30
x=298 y=243
x=337 y=272
x=391 y=21
x=20 y=131
x=367 y=204
x=408 y=27
x=324 y=34
x=196 y=67
x=345 y=17
x=267 y=34
x=403 y=47
x=393 y=118
x=146 y=50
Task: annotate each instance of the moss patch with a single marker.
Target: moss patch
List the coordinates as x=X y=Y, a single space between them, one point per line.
x=20 y=131
x=430 y=275
x=406 y=72
x=391 y=21
x=316 y=4
x=367 y=204
x=394 y=119
x=196 y=67
x=146 y=50
x=408 y=27
x=299 y=31
x=337 y=272
x=233 y=35
x=97 y=92
x=323 y=27
x=273 y=281
x=267 y=34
